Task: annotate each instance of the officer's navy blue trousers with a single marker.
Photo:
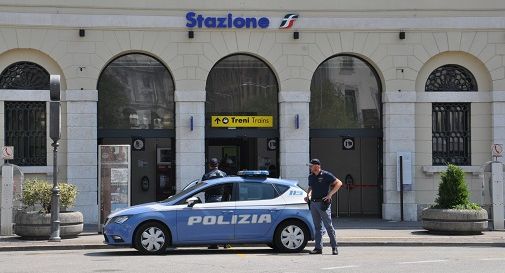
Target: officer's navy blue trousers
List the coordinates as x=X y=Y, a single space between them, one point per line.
x=322 y=217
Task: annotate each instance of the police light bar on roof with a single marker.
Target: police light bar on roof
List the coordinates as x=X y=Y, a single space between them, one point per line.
x=258 y=173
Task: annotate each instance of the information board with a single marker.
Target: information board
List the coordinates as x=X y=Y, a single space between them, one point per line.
x=114 y=179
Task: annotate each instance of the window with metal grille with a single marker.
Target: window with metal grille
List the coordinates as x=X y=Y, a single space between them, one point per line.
x=451 y=77
x=451 y=133
x=25 y=129
x=24 y=75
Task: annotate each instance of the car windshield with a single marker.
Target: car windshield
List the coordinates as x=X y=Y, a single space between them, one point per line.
x=190 y=184
x=183 y=192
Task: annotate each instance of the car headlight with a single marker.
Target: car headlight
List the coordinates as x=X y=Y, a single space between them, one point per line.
x=120 y=219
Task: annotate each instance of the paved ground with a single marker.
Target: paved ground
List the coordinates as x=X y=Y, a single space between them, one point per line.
x=350 y=232
x=351 y=259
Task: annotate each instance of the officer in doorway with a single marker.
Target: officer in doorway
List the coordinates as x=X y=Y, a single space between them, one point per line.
x=322 y=186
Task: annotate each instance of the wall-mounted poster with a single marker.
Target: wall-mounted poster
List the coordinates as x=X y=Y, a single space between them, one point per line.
x=114 y=179
x=119 y=187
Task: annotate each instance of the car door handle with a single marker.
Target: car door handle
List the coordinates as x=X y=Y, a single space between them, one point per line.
x=227 y=211
x=274 y=210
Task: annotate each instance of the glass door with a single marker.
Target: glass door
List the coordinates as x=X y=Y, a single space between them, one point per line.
x=246 y=153
x=353 y=160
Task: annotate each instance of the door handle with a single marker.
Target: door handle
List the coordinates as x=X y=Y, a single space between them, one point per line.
x=227 y=211
x=274 y=210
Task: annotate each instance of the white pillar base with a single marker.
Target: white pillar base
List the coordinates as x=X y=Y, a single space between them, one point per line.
x=497 y=189
x=6 y=200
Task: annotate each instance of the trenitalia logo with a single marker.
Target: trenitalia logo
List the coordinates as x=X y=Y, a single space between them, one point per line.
x=288 y=21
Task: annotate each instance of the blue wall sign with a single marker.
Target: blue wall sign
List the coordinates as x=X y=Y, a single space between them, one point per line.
x=228 y=21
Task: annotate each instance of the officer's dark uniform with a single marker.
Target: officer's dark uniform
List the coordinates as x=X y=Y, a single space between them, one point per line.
x=216 y=194
x=320 y=210
x=214 y=173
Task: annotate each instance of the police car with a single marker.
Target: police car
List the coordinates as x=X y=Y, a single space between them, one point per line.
x=249 y=208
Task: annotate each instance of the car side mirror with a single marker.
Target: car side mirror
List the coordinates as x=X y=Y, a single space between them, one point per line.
x=192 y=201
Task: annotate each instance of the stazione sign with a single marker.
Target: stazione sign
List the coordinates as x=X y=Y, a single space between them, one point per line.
x=227 y=21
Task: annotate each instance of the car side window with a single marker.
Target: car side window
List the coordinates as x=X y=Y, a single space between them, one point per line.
x=256 y=191
x=217 y=193
x=281 y=188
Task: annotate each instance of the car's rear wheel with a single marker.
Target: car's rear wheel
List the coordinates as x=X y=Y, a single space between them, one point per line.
x=291 y=236
x=152 y=238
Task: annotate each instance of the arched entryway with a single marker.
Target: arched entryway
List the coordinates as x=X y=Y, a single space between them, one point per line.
x=241 y=115
x=346 y=131
x=136 y=107
x=25 y=122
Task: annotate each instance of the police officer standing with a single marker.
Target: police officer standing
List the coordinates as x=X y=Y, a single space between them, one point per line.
x=322 y=186
x=215 y=195
x=214 y=171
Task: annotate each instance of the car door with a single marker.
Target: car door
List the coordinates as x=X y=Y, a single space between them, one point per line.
x=257 y=208
x=210 y=220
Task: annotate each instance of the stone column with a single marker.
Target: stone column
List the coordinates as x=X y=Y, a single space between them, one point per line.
x=189 y=142
x=497 y=189
x=399 y=136
x=498 y=124
x=2 y=143
x=81 y=140
x=6 y=199
x=294 y=142
x=2 y=124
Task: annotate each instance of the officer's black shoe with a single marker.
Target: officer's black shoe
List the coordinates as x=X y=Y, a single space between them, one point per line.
x=213 y=247
x=334 y=251
x=316 y=251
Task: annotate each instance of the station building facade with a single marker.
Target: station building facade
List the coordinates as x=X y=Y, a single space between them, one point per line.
x=259 y=86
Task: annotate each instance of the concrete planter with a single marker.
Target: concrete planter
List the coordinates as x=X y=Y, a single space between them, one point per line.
x=454 y=221
x=38 y=225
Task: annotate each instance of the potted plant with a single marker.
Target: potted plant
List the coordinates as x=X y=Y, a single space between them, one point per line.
x=34 y=221
x=453 y=213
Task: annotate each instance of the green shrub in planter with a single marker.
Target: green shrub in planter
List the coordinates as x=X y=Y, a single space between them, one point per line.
x=38 y=192
x=453 y=191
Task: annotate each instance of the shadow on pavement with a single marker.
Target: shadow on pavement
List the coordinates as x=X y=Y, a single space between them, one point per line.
x=421 y=233
x=196 y=251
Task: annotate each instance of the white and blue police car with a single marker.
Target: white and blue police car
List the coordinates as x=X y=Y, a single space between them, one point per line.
x=249 y=208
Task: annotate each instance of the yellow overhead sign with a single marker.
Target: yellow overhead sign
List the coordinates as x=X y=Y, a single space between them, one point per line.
x=242 y=121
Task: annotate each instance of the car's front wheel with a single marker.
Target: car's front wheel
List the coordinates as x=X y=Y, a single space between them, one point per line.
x=152 y=238
x=291 y=236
